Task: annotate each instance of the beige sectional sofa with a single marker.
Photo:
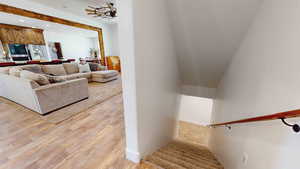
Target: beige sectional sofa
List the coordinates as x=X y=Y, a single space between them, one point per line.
x=71 y=71
x=70 y=85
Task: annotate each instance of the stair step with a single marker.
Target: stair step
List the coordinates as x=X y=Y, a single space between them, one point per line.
x=180 y=155
x=165 y=164
x=199 y=160
x=147 y=165
x=195 y=149
x=203 y=156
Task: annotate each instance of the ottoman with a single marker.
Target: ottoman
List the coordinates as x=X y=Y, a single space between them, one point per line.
x=104 y=76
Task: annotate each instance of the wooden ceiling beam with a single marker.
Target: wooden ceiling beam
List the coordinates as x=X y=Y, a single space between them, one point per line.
x=35 y=15
x=31 y=14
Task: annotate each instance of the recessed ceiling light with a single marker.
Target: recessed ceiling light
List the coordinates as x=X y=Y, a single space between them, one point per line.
x=21 y=20
x=47 y=25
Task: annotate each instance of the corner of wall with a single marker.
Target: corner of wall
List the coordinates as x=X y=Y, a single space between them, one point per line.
x=198 y=91
x=133 y=156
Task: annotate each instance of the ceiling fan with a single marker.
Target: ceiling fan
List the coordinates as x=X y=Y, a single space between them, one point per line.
x=108 y=10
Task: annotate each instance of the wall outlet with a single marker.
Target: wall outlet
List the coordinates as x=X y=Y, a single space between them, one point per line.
x=245 y=158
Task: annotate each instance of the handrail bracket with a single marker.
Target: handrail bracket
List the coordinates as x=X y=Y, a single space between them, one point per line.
x=295 y=127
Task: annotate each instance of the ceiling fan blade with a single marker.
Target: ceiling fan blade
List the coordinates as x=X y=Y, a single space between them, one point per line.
x=89 y=10
x=91 y=7
x=107 y=10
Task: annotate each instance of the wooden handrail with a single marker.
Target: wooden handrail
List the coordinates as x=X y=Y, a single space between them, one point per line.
x=282 y=115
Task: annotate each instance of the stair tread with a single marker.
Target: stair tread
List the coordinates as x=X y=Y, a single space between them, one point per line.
x=147 y=165
x=180 y=155
x=197 y=160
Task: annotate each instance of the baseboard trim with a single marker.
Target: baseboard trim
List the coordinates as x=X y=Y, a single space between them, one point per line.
x=133 y=156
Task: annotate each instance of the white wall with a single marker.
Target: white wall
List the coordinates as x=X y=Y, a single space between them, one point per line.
x=74 y=46
x=115 y=40
x=127 y=47
x=95 y=43
x=157 y=76
x=195 y=110
x=150 y=74
x=262 y=79
x=111 y=37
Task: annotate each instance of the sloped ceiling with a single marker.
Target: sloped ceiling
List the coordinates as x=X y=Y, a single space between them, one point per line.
x=207 y=34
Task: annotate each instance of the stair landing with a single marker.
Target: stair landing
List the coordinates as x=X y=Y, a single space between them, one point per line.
x=181 y=155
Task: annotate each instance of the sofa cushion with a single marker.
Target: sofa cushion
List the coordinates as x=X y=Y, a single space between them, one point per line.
x=70 y=77
x=71 y=68
x=102 y=67
x=55 y=96
x=94 y=66
x=56 y=70
x=15 y=71
x=38 y=78
x=4 y=70
x=103 y=80
x=84 y=68
x=34 y=84
x=55 y=79
x=33 y=68
x=87 y=75
x=105 y=74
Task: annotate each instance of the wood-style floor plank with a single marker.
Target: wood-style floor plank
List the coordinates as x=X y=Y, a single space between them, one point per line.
x=93 y=139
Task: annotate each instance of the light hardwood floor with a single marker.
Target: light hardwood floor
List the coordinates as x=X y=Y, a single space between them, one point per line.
x=93 y=139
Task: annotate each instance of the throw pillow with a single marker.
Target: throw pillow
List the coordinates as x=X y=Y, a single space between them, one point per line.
x=33 y=68
x=56 y=70
x=84 y=68
x=4 y=70
x=34 y=84
x=102 y=67
x=39 y=78
x=94 y=66
x=56 y=79
x=15 y=71
x=71 y=68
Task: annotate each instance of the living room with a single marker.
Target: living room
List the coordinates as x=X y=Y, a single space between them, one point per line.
x=56 y=53
x=59 y=78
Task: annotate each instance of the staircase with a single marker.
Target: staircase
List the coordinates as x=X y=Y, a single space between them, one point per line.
x=182 y=155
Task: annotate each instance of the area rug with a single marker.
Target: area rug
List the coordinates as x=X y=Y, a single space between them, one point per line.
x=98 y=93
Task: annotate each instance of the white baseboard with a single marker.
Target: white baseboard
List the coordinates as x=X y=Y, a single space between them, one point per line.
x=133 y=156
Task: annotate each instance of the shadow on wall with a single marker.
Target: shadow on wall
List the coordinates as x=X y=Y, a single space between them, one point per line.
x=196 y=110
x=256 y=145
x=198 y=91
x=194 y=115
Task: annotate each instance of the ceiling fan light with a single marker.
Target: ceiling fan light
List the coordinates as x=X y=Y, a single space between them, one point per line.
x=106 y=11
